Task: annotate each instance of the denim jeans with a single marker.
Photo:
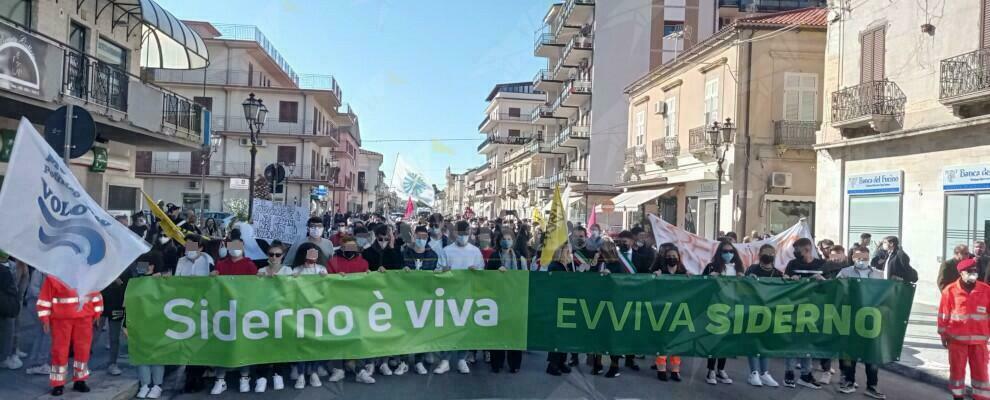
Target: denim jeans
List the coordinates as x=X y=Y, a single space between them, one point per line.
x=222 y=372
x=149 y=375
x=758 y=364
x=454 y=356
x=805 y=365
x=41 y=343
x=114 y=329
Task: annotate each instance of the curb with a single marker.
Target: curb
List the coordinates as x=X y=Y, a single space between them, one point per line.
x=917 y=374
x=103 y=386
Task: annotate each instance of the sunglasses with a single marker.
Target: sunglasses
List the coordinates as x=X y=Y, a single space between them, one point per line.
x=274 y=254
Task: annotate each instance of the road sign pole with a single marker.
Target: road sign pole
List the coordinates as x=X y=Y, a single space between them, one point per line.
x=68 y=134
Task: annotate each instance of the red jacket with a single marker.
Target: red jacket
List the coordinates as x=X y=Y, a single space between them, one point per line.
x=340 y=264
x=244 y=266
x=963 y=316
x=57 y=300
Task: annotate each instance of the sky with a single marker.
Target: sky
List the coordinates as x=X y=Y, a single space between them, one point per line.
x=411 y=69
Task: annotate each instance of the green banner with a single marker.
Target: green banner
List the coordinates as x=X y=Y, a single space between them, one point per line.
x=232 y=321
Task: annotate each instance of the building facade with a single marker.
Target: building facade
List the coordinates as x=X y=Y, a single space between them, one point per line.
x=768 y=90
x=369 y=166
x=63 y=53
x=307 y=147
x=903 y=150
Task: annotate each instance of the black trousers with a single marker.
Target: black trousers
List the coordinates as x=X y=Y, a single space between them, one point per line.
x=499 y=358
x=719 y=361
x=267 y=370
x=556 y=360
x=848 y=368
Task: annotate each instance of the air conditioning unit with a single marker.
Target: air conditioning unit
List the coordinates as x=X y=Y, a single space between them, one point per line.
x=660 y=107
x=781 y=180
x=192 y=185
x=246 y=142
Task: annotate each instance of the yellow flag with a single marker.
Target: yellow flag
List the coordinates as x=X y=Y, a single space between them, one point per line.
x=556 y=231
x=168 y=227
x=537 y=215
x=440 y=148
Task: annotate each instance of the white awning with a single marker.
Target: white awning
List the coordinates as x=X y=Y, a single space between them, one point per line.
x=166 y=42
x=630 y=200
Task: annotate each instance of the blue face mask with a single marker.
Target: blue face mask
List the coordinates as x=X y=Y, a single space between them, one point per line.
x=421 y=243
x=727 y=257
x=462 y=239
x=506 y=243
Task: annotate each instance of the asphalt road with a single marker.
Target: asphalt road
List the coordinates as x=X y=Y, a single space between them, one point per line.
x=533 y=383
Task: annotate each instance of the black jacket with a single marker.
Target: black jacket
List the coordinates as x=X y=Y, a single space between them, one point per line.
x=10 y=302
x=390 y=258
x=113 y=297
x=900 y=265
x=642 y=259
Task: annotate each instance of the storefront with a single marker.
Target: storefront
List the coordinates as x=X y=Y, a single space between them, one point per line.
x=967 y=204
x=699 y=208
x=874 y=204
x=635 y=205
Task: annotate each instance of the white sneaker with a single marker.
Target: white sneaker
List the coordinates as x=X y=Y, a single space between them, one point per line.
x=401 y=369
x=365 y=377
x=300 y=382
x=754 y=379
x=724 y=377
x=314 y=380
x=43 y=369
x=462 y=367
x=337 y=375
x=768 y=380
x=219 y=387
x=114 y=370
x=370 y=368
x=12 y=362
x=143 y=392
x=385 y=370
x=321 y=371
x=277 y=382
x=155 y=392
x=260 y=385
x=294 y=374
x=825 y=379
x=421 y=369
x=710 y=378
x=442 y=368
x=244 y=385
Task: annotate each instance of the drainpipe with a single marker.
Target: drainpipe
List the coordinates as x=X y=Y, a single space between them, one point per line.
x=749 y=143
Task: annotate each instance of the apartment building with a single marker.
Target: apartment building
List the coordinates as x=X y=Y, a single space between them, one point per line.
x=455 y=193
x=60 y=53
x=765 y=82
x=903 y=150
x=308 y=145
x=368 y=179
x=507 y=128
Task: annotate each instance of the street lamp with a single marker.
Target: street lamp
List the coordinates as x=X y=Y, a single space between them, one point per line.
x=719 y=138
x=333 y=166
x=207 y=153
x=255 y=113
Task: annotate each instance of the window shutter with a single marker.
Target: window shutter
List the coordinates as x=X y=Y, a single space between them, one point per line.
x=866 y=57
x=985 y=24
x=879 y=52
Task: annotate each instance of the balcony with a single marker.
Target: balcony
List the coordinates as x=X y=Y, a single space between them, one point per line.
x=220 y=169
x=492 y=119
x=576 y=134
x=273 y=127
x=543 y=115
x=698 y=143
x=544 y=81
x=867 y=108
x=539 y=148
x=965 y=83
x=539 y=183
x=576 y=92
x=576 y=175
x=635 y=158
x=578 y=49
x=665 y=151
x=523 y=189
x=562 y=111
x=546 y=43
x=503 y=140
x=762 y=6
x=95 y=81
x=577 y=12
x=795 y=134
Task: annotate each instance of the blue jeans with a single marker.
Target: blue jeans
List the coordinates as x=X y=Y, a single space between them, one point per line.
x=805 y=365
x=151 y=375
x=758 y=364
x=221 y=372
x=453 y=356
x=41 y=346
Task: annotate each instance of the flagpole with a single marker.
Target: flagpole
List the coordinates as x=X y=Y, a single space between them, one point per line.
x=395 y=164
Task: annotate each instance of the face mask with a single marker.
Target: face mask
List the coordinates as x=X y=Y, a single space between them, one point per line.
x=342 y=229
x=382 y=243
x=349 y=254
x=578 y=242
x=506 y=243
x=315 y=232
x=462 y=240
x=969 y=278
x=623 y=247
x=595 y=234
x=236 y=253
x=727 y=257
x=363 y=242
x=223 y=252
x=671 y=261
x=766 y=259
x=192 y=254
x=421 y=243
x=163 y=239
x=861 y=264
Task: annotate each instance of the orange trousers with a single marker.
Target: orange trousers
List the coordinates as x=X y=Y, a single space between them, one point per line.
x=675 y=363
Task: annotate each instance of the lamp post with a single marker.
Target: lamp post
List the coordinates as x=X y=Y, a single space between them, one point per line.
x=255 y=114
x=719 y=137
x=333 y=166
x=207 y=151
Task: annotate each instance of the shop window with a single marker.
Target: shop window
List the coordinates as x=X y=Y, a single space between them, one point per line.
x=966 y=216
x=784 y=214
x=877 y=215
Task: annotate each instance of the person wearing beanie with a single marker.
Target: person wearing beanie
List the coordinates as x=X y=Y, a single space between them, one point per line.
x=964 y=327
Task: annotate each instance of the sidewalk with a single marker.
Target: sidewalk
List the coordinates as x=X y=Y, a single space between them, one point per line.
x=923 y=358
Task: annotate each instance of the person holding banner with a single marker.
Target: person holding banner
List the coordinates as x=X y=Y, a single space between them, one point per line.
x=583 y=256
x=759 y=374
x=236 y=264
x=150 y=377
x=861 y=269
x=725 y=262
x=561 y=262
x=804 y=265
x=668 y=262
x=607 y=262
x=642 y=253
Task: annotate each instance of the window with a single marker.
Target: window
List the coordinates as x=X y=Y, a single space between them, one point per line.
x=514 y=133
x=17 y=10
x=965 y=219
x=670 y=121
x=360 y=181
x=514 y=112
x=205 y=102
x=316 y=120
x=711 y=101
x=173 y=155
x=877 y=215
x=77 y=37
x=985 y=24
x=872 y=51
x=111 y=53
x=784 y=214
x=122 y=198
x=670 y=27
x=286 y=155
x=800 y=96
x=250 y=74
x=640 y=127
x=288 y=111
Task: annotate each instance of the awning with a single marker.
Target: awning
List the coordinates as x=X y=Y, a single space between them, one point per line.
x=166 y=42
x=631 y=200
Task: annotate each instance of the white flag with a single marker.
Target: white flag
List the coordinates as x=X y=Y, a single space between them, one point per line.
x=53 y=224
x=697 y=252
x=407 y=182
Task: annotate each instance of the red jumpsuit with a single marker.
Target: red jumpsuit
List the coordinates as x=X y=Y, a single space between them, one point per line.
x=964 y=322
x=58 y=307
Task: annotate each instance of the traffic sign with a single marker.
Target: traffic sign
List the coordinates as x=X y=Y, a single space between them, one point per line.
x=608 y=206
x=82 y=131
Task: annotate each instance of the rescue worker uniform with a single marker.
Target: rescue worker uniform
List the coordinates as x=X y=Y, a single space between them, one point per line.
x=58 y=307
x=964 y=325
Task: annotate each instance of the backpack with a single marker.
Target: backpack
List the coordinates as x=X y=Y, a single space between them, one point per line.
x=10 y=305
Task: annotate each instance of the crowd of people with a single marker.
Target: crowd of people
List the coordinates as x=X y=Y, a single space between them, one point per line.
x=350 y=243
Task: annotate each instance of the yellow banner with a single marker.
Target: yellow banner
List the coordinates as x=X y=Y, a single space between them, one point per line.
x=556 y=231
x=164 y=222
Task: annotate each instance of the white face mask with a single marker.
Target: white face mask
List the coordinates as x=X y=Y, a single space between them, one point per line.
x=315 y=232
x=969 y=277
x=861 y=264
x=192 y=254
x=223 y=252
x=236 y=253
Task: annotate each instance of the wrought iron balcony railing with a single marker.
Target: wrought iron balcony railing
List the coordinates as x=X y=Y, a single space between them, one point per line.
x=635 y=155
x=697 y=143
x=95 y=81
x=875 y=98
x=665 y=149
x=795 y=133
x=965 y=74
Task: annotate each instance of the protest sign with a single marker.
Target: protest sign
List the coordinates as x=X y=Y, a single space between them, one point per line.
x=221 y=321
x=279 y=221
